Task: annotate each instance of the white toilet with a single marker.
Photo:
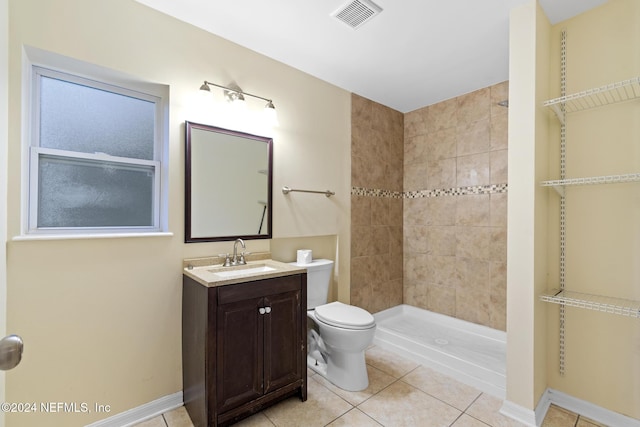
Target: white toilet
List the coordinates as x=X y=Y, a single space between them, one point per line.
x=345 y=332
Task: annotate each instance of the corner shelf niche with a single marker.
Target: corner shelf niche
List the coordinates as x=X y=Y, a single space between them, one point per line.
x=625 y=90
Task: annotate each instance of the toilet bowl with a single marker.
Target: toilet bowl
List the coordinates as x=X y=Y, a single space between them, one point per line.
x=337 y=349
x=344 y=344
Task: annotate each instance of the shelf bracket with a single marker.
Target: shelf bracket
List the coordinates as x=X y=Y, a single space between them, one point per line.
x=558 y=110
x=559 y=189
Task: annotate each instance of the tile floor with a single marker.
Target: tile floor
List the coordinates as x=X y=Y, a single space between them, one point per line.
x=400 y=393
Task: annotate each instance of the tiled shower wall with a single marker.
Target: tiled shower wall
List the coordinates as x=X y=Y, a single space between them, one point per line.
x=429 y=220
x=455 y=207
x=376 y=205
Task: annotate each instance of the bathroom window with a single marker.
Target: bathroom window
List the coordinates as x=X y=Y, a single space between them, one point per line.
x=95 y=156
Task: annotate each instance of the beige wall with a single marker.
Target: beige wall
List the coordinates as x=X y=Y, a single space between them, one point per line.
x=527 y=205
x=602 y=351
x=101 y=317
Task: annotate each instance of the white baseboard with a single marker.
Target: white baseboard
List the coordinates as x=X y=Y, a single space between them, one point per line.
x=589 y=410
x=519 y=413
x=596 y=413
x=142 y=412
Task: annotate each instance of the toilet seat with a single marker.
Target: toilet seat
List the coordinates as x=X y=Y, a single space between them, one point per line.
x=344 y=316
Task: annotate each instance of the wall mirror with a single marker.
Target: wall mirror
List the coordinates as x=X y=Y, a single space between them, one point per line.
x=227 y=184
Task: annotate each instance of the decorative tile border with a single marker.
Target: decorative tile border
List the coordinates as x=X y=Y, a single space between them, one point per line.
x=439 y=192
x=372 y=192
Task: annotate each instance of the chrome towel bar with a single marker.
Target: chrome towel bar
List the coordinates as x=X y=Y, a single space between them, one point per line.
x=287 y=190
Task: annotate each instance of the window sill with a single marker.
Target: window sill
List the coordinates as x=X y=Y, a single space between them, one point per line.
x=88 y=236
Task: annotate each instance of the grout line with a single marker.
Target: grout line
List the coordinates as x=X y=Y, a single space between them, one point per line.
x=370 y=417
x=476 y=418
x=328 y=389
x=263 y=412
x=438 y=398
x=462 y=411
x=166 y=423
x=379 y=391
x=472 y=402
x=341 y=415
x=457 y=418
x=479 y=420
x=401 y=378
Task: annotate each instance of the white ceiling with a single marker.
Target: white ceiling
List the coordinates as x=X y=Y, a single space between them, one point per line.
x=413 y=54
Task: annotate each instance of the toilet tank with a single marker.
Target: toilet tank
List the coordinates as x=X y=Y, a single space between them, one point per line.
x=318 y=279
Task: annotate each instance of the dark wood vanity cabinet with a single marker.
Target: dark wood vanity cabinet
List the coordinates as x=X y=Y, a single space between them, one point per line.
x=244 y=347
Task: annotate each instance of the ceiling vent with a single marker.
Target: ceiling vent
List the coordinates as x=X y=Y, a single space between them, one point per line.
x=355 y=13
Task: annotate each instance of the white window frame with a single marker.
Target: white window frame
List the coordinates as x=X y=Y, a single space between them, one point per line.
x=58 y=67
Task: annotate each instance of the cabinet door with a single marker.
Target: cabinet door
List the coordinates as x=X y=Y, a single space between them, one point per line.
x=239 y=354
x=282 y=340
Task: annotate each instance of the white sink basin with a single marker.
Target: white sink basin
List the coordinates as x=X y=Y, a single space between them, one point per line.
x=244 y=270
x=216 y=275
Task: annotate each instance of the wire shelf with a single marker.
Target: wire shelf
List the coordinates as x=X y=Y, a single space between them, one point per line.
x=559 y=184
x=613 y=93
x=619 y=306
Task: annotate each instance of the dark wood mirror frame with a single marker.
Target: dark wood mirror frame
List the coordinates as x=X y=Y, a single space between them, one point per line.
x=225 y=182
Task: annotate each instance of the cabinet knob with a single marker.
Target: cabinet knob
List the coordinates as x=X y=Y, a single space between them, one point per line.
x=267 y=310
x=262 y=310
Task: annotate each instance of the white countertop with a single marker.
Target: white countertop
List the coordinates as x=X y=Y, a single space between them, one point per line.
x=217 y=275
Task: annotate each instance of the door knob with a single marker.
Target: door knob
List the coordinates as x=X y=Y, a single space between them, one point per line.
x=11 y=348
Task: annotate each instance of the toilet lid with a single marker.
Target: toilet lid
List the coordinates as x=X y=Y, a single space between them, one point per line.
x=345 y=316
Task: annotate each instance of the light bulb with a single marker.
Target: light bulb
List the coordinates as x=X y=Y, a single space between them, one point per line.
x=270 y=114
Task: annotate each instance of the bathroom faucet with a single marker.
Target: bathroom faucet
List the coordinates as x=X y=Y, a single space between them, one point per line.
x=235 y=253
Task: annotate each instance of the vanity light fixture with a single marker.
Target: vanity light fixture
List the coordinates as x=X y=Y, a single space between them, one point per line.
x=235 y=95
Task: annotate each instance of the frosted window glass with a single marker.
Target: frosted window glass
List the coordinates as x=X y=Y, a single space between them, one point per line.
x=80 y=118
x=82 y=193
